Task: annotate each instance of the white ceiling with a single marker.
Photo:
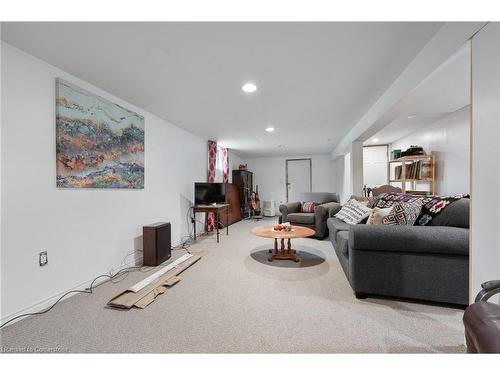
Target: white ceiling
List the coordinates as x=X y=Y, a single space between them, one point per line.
x=315 y=80
x=445 y=91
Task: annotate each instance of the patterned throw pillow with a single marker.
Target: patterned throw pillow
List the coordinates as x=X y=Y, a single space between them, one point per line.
x=386 y=200
x=308 y=207
x=369 y=202
x=433 y=205
x=353 y=212
x=377 y=215
x=403 y=213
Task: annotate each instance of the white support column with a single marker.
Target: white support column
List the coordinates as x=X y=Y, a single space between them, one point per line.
x=485 y=158
x=357 y=168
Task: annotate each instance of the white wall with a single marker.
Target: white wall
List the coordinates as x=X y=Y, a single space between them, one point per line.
x=85 y=231
x=269 y=173
x=485 y=179
x=449 y=140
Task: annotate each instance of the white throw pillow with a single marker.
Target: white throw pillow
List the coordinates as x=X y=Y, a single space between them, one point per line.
x=353 y=212
x=378 y=215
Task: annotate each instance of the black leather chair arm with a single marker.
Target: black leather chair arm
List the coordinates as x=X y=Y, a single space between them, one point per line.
x=490 y=288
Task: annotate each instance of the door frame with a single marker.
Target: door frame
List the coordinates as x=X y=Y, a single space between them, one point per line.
x=286 y=174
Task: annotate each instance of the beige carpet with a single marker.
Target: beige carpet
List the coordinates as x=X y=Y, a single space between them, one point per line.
x=231 y=302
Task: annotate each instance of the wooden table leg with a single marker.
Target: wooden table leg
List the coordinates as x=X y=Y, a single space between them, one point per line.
x=227 y=221
x=286 y=253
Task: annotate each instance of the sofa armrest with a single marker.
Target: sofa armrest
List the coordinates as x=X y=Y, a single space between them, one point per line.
x=332 y=208
x=288 y=208
x=414 y=239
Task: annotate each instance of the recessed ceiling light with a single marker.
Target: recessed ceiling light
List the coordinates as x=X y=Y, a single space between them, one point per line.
x=411 y=116
x=269 y=129
x=375 y=140
x=249 y=87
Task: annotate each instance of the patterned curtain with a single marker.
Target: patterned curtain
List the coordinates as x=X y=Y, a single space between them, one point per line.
x=225 y=164
x=212 y=156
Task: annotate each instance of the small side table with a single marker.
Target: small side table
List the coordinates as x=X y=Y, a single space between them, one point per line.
x=216 y=209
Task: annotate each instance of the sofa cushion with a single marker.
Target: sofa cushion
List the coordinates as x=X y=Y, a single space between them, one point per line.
x=335 y=225
x=377 y=215
x=308 y=207
x=410 y=238
x=386 y=200
x=403 y=213
x=342 y=240
x=435 y=206
x=353 y=212
x=301 y=218
x=456 y=214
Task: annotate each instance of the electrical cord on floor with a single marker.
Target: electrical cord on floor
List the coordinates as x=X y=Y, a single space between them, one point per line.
x=184 y=245
x=88 y=290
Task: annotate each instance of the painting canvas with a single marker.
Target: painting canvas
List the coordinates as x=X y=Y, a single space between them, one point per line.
x=99 y=144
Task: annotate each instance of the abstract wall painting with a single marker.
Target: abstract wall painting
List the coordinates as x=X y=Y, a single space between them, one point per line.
x=99 y=144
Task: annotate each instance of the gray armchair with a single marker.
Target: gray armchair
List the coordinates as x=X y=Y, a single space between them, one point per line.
x=328 y=206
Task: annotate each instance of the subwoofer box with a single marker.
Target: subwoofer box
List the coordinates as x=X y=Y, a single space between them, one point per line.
x=157 y=243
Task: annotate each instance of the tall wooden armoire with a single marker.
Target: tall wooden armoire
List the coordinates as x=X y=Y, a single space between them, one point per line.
x=244 y=181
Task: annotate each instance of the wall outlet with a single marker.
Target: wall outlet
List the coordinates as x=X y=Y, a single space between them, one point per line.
x=43 y=259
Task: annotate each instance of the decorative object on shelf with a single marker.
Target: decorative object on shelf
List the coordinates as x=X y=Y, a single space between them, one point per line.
x=242 y=167
x=413 y=150
x=415 y=174
x=99 y=144
x=395 y=154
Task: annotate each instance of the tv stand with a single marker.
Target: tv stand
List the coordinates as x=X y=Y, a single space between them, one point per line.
x=216 y=209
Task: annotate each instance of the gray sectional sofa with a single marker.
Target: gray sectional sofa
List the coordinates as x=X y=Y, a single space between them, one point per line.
x=419 y=262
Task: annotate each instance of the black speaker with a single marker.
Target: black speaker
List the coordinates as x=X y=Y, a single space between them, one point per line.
x=157 y=243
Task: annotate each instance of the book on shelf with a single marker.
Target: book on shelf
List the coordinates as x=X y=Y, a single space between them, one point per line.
x=417 y=170
x=426 y=171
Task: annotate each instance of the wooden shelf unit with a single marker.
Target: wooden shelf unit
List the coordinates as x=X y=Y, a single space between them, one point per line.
x=413 y=182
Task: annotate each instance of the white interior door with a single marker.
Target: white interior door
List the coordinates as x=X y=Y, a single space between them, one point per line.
x=375 y=165
x=298 y=178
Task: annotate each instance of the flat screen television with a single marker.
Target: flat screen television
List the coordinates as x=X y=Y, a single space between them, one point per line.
x=209 y=192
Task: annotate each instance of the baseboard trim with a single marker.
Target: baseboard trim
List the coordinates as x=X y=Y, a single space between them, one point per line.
x=47 y=302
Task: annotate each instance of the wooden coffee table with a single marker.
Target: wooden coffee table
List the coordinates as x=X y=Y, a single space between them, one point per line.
x=286 y=253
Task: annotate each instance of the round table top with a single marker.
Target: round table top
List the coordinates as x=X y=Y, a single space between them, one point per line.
x=297 y=232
